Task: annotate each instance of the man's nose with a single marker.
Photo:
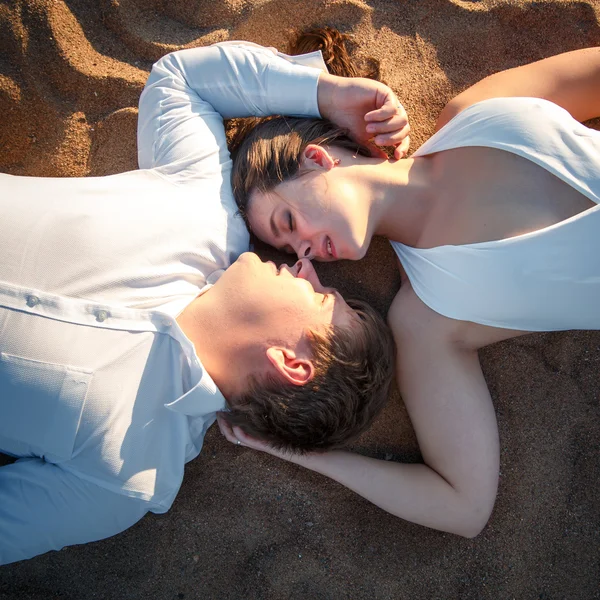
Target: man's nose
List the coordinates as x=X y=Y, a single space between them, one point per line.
x=302 y=268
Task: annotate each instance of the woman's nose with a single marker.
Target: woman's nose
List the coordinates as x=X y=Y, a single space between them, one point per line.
x=304 y=250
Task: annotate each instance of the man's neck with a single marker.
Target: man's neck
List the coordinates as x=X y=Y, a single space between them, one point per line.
x=218 y=343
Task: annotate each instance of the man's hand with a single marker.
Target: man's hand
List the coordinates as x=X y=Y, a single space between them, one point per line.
x=368 y=109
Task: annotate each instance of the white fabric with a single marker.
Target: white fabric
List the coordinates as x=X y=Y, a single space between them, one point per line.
x=96 y=376
x=542 y=281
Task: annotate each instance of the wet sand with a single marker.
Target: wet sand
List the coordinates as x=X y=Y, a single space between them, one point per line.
x=245 y=525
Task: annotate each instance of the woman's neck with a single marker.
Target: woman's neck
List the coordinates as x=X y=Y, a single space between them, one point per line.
x=403 y=198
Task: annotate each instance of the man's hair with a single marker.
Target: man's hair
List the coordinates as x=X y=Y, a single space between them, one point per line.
x=354 y=367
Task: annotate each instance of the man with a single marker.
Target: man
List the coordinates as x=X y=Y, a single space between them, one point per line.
x=119 y=342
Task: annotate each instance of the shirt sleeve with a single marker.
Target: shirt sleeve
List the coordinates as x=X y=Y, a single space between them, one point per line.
x=190 y=92
x=43 y=507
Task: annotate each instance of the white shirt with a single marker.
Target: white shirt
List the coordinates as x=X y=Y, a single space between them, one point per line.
x=99 y=386
x=545 y=280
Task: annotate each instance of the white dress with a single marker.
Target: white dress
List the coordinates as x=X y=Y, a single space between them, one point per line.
x=546 y=280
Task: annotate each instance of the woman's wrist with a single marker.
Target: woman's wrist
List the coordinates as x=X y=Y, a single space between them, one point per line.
x=316 y=461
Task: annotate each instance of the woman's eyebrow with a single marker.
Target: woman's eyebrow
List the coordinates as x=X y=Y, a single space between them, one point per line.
x=273 y=225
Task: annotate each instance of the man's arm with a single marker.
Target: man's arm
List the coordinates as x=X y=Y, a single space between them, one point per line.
x=188 y=93
x=43 y=507
x=571 y=80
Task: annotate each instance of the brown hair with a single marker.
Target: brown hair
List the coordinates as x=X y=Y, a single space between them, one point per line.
x=270 y=153
x=353 y=366
x=353 y=372
x=267 y=151
x=335 y=48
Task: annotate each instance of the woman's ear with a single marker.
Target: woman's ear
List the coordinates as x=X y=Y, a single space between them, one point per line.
x=295 y=370
x=317 y=157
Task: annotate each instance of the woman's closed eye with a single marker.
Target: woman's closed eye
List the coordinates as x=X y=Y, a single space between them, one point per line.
x=290 y=225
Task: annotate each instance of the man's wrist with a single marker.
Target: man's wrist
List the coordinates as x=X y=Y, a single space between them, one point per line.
x=327 y=88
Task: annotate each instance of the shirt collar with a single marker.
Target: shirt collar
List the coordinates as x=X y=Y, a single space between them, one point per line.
x=203 y=399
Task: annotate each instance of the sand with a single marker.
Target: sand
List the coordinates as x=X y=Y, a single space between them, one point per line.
x=245 y=525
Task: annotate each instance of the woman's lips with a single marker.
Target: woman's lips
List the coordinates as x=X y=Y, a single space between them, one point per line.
x=328 y=251
x=331 y=248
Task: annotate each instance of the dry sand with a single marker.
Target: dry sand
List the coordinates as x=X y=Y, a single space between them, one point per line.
x=247 y=526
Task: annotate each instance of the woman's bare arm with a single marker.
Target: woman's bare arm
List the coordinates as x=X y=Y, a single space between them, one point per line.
x=452 y=413
x=571 y=80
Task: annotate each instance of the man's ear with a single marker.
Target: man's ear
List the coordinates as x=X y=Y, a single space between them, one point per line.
x=315 y=156
x=295 y=370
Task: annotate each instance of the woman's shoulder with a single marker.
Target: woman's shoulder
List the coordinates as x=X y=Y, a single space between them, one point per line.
x=410 y=317
x=513 y=105
x=503 y=111
x=513 y=120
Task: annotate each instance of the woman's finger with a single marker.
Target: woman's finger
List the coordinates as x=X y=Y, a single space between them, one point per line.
x=244 y=438
x=226 y=429
x=405 y=145
x=375 y=151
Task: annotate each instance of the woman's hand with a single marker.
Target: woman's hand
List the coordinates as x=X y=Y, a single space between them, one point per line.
x=236 y=436
x=368 y=109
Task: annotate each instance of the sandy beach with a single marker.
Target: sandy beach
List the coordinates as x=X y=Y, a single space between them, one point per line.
x=245 y=525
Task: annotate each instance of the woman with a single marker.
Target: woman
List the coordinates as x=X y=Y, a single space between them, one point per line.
x=495 y=222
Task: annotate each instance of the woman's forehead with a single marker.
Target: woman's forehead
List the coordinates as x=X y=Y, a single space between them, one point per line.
x=261 y=212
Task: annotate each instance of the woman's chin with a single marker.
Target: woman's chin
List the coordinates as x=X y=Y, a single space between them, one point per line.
x=360 y=252
x=355 y=254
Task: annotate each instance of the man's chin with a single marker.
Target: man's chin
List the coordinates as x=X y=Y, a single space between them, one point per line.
x=247 y=257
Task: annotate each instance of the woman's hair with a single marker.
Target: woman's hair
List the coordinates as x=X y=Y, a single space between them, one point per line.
x=271 y=152
x=268 y=151
x=354 y=368
x=335 y=48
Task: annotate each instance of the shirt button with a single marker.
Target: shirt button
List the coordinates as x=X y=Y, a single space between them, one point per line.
x=32 y=301
x=166 y=323
x=101 y=316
